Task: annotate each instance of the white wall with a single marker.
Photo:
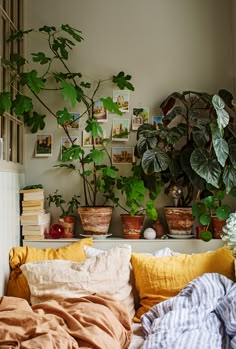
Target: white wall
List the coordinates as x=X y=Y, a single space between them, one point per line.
x=10 y=183
x=166 y=45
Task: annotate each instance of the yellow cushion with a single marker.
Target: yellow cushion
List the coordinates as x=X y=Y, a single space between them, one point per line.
x=158 y=279
x=17 y=284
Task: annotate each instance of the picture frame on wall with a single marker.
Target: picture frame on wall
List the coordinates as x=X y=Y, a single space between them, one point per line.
x=122 y=155
x=140 y=116
x=157 y=120
x=87 y=139
x=66 y=143
x=120 y=130
x=121 y=98
x=74 y=121
x=100 y=113
x=43 y=147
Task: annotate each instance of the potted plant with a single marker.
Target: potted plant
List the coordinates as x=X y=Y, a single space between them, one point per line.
x=212 y=214
x=137 y=203
x=192 y=147
x=52 y=73
x=68 y=208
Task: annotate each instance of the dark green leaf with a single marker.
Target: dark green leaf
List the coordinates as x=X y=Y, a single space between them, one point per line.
x=47 y=29
x=110 y=105
x=206 y=235
x=229 y=178
x=69 y=92
x=5 y=102
x=19 y=34
x=205 y=219
x=36 y=122
x=97 y=156
x=198 y=209
x=41 y=58
x=154 y=160
x=123 y=81
x=73 y=153
x=22 y=104
x=75 y=33
x=222 y=115
x=223 y=212
x=94 y=128
x=31 y=79
x=232 y=151
x=64 y=117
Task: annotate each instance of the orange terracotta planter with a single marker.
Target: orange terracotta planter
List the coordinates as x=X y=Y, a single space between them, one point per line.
x=132 y=226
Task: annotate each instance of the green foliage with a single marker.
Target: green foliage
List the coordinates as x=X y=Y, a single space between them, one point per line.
x=51 y=73
x=59 y=202
x=195 y=145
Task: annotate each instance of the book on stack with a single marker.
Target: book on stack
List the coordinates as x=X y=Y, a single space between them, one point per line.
x=35 y=221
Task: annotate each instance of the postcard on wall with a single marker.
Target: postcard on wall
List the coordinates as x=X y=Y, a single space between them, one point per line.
x=121 y=98
x=100 y=113
x=140 y=116
x=157 y=120
x=120 y=130
x=66 y=143
x=87 y=139
x=122 y=155
x=43 y=147
x=74 y=122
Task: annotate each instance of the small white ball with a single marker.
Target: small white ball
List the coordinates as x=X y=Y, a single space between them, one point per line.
x=149 y=234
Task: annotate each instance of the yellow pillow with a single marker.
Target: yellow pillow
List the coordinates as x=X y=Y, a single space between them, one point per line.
x=158 y=279
x=17 y=284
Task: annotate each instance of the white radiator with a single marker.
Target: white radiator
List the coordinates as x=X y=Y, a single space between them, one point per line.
x=10 y=183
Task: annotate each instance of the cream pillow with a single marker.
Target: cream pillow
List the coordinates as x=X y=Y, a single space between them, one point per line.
x=158 y=279
x=108 y=273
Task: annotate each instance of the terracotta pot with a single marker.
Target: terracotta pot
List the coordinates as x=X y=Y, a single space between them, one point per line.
x=69 y=226
x=217 y=226
x=95 y=220
x=159 y=229
x=132 y=226
x=199 y=229
x=179 y=219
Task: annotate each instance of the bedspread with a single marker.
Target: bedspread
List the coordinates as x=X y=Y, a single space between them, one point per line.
x=94 y=321
x=202 y=315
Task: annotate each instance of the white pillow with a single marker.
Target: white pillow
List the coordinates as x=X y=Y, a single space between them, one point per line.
x=165 y=252
x=108 y=273
x=92 y=251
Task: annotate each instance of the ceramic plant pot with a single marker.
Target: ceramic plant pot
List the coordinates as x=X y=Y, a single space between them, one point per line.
x=217 y=226
x=68 y=223
x=95 y=220
x=180 y=220
x=132 y=226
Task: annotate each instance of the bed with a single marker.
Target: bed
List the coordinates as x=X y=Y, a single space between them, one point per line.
x=79 y=296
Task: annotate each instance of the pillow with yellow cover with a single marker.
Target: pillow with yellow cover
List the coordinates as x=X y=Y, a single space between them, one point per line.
x=17 y=284
x=158 y=279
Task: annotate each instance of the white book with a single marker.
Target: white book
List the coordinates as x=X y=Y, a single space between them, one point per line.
x=31 y=219
x=41 y=229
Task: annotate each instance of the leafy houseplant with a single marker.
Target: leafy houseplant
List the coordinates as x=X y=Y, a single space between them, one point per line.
x=52 y=73
x=67 y=208
x=194 y=146
x=137 y=205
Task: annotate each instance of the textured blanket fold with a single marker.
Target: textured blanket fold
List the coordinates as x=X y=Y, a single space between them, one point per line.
x=94 y=321
x=202 y=315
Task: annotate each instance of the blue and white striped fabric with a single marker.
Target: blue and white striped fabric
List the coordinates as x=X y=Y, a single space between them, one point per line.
x=201 y=316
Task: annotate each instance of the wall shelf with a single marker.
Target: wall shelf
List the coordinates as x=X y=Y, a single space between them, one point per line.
x=139 y=245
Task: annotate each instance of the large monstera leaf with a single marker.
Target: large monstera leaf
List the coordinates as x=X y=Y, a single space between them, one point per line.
x=154 y=160
x=206 y=167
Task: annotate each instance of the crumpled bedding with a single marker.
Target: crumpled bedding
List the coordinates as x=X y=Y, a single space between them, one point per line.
x=202 y=315
x=94 y=321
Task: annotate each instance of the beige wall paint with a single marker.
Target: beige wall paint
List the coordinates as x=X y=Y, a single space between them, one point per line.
x=166 y=45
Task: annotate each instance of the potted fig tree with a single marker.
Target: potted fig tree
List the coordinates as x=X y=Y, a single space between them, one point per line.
x=51 y=73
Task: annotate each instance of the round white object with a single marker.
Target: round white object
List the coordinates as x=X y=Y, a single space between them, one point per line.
x=149 y=234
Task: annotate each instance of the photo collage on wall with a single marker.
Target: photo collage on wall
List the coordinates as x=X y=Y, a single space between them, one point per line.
x=121 y=126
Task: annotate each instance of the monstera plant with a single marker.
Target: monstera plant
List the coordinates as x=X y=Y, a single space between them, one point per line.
x=50 y=72
x=194 y=147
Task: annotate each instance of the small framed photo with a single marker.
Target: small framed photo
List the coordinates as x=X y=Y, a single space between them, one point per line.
x=66 y=143
x=87 y=139
x=100 y=113
x=157 y=120
x=74 y=120
x=120 y=130
x=140 y=116
x=43 y=146
x=122 y=155
x=121 y=98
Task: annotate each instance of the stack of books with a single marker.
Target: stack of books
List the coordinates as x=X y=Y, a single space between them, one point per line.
x=35 y=221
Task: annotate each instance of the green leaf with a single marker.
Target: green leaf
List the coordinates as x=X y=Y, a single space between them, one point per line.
x=31 y=79
x=232 y=151
x=154 y=160
x=64 y=116
x=205 y=219
x=223 y=212
x=68 y=166
x=94 y=128
x=47 y=29
x=229 y=178
x=151 y=211
x=75 y=33
x=110 y=105
x=210 y=202
x=206 y=167
x=73 y=153
x=41 y=58
x=222 y=115
x=97 y=156
x=5 y=102
x=205 y=235
x=22 y=104
x=19 y=34
x=69 y=92
x=36 y=122
x=123 y=81
x=221 y=150
x=19 y=60
x=109 y=171
x=198 y=209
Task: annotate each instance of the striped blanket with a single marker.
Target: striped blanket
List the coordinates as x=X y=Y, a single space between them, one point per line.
x=202 y=315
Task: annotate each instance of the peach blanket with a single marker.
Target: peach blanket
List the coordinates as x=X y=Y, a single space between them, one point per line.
x=94 y=321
